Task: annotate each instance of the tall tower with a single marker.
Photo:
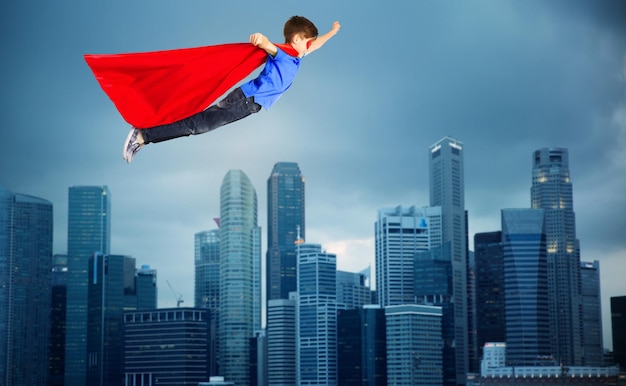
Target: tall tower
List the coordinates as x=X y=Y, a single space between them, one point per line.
x=88 y=232
x=285 y=213
x=25 y=277
x=525 y=285
x=552 y=191
x=399 y=234
x=489 y=267
x=591 y=313
x=447 y=190
x=238 y=224
x=317 y=317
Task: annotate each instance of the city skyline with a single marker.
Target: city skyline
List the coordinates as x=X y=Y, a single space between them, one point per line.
x=506 y=78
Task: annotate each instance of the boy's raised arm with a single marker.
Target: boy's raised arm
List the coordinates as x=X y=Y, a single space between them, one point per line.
x=321 y=40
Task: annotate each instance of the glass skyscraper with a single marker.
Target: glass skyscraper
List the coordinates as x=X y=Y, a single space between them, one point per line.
x=317 y=317
x=525 y=286
x=362 y=347
x=618 y=327
x=489 y=268
x=88 y=232
x=207 y=285
x=25 y=278
x=447 y=190
x=551 y=191
x=399 y=234
x=239 y=263
x=414 y=355
x=285 y=213
x=591 y=313
x=281 y=342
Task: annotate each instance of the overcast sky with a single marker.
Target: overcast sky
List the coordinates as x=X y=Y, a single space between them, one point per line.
x=503 y=77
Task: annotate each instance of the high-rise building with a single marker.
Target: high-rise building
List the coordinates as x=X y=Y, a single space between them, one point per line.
x=281 y=341
x=353 y=290
x=489 y=268
x=285 y=213
x=168 y=346
x=25 y=277
x=525 y=286
x=207 y=285
x=362 y=347
x=552 y=191
x=414 y=355
x=399 y=234
x=58 y=292
x=145 y=289
x=591 y=314
x=238 y=265
x=618 y=327
x=447 y=190
x=433 y=287
x=88 y=232
x=317 y=317
x=110 y=291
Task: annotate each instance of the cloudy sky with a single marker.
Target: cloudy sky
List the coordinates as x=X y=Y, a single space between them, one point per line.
x=503 y=77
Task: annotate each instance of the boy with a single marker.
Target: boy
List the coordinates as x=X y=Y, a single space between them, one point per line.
x=281 y=66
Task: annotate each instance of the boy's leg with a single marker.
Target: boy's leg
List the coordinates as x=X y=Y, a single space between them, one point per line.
x=232 y=108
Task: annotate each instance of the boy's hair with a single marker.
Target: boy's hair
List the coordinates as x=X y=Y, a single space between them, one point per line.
x=299 y=25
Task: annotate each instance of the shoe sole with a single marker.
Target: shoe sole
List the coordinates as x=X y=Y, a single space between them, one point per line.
x=126 y=143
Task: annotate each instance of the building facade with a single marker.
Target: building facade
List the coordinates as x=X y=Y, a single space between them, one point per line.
x=353 y=290
x=285 y=213
x=166 y=347
x=525 y=286
x=317 y=317
x=414 y=349
x=25 y=277
x=88 y=232
x=593 y=347
x=362 y=347
x=207 y=285
x=238 y=265
x=399 y=234
x=618 y=326
x=447 y=190
x=281 y=342
x=489 y=268
x=551 y=191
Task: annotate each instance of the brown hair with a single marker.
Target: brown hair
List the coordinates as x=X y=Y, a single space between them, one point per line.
x=299 y=25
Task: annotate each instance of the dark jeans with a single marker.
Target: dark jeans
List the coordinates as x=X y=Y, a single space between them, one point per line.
x=230 y=109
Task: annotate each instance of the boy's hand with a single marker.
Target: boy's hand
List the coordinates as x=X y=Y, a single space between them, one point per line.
x=256 y=39
x=336 y=27
x=259 y=40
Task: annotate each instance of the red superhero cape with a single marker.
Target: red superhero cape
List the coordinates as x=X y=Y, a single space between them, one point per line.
x=156 y=88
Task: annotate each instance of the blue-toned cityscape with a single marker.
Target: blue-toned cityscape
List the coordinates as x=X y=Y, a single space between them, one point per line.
x=524 y=307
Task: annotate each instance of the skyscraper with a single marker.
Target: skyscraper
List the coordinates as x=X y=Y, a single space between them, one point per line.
x=525 y=285
x=414 y=355
x=362 y=347
x=399 y=234
x=447 y=190
x=591 y=315
x=89 y=232
x=238 y=233
x=58 y=293
x=25 y=277
x=618 y=327
x=552 y=191
x=207 y=285
x=281 y=342
x=285 y=213
x=489 y=267
x=317 y=317
x=111 y=289
x=353 y=290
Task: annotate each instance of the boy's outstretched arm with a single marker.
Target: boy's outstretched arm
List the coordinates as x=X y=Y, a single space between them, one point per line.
x=321 y=40
x=259 y=40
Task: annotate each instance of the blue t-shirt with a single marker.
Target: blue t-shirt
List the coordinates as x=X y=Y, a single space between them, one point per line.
x=275 y=78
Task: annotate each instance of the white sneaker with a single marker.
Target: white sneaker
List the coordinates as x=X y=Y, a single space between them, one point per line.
x=131 y=146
